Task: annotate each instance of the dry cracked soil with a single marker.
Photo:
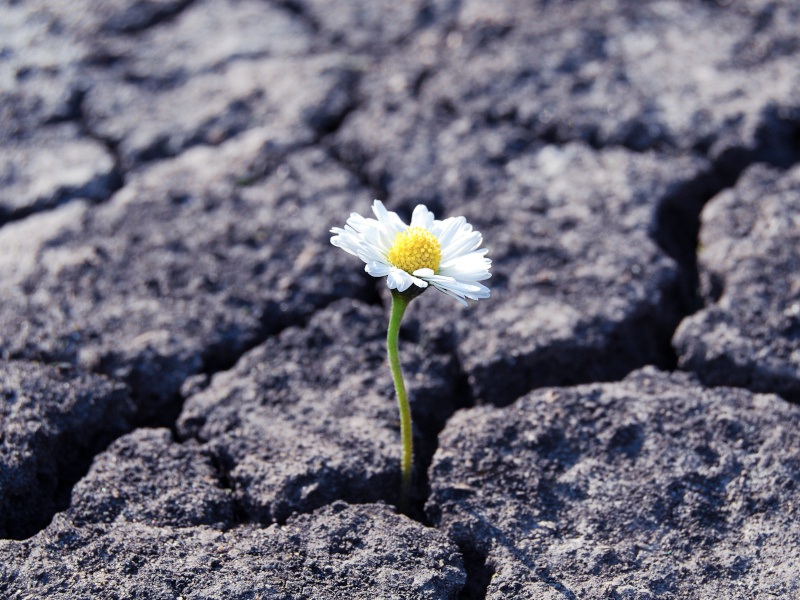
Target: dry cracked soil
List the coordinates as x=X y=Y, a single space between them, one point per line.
x=195 y=401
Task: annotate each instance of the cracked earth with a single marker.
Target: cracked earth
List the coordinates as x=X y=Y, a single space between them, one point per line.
x=194 y=395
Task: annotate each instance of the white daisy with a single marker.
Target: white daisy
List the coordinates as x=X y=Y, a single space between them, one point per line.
x=444 y=254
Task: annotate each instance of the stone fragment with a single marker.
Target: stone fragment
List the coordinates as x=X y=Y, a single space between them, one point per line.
x=50 y=166
x=147 y=121
x=44 y=157
x=675 y=77
x=206 y=36
x=310 y=416
x=653 y=487
x=377 y=27
x=146 y=477
x=360 y=552
x=190 y=263
x=87 y=19
x=581 y=290
x=40 y=74
x=748 y=335
x=52 y=421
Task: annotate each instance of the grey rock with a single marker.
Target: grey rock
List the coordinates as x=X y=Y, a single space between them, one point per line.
x=677 y=77
x=341 y=551
x=40 y=75
x=653 y=487
x=50 y=166
x=377 y=27
x=146 y=477
x=581 y=290
x=146 y=121
x=52 y=421
x=44 y=157
x=205 y=36
x=190 y=263
x=87 y=19
x=310 y=416
x=748 y=334
x=580 y=138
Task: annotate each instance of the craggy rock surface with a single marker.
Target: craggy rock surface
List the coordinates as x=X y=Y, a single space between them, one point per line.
x=310 y=416
x=53 y=164
x=147 y=477
x=671 y=76
x=581 y=290
x=52 y=421
x=649 y=488
x=749 y=334
x=169 y=171
x=185 y=266
x=153 y=517
x=340 y=551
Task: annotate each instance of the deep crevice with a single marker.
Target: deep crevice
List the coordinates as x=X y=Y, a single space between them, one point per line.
x=221 y=357
x=225 y=481
x=615 y=349
x=214 y=361
x=297 y=8
x=111 y=146
x=142 y=15
x=98 y=190
x=426 y=440
x=354 y=162
x=678 y=220
x=479 y=573
x=677 y=226
x=460 y=397
x=80 y=451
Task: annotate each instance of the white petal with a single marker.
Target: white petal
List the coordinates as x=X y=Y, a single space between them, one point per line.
x=470 y=267
x=459 y=287
x=345 y=240
x=369 y=252
x=463 y=242
x=450 y=286
x=445 y=230
x=388 y=219
x=452 y=295
x=357 y=222
x=398 y=279
x=377 y=269
x=419 y=282
x=422 y=217
x=378 y=237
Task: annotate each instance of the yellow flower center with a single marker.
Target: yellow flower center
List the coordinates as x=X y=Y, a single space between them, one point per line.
x=415 y=248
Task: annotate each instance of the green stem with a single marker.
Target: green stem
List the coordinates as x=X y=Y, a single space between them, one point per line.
x=399 y=305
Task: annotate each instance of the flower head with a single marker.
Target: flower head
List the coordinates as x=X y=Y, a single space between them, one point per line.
x=444 y=254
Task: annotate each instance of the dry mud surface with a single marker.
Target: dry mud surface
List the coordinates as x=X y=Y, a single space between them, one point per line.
x=194 y=395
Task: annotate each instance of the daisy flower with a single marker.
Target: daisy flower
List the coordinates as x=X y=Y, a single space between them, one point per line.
x=445 y=254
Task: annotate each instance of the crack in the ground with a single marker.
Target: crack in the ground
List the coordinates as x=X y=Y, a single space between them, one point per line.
x=676 y=231
x=112 y=182
x=119 y=176
x=82 y=450
x=296 y=8
x=138 y=18
x=213 y=364
x=355 y=166
x=226 y=482
x=479 y=573
x=678 y=221
x=460 y=397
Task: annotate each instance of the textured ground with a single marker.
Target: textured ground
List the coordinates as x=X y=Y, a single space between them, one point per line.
x=194 y=396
